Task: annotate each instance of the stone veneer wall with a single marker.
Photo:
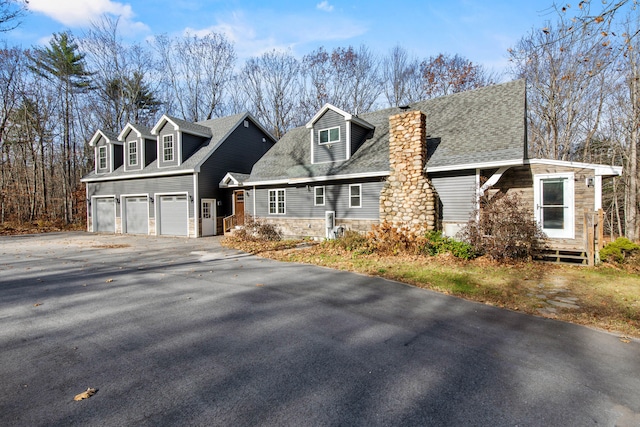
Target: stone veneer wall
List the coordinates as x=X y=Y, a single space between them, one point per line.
x=408 y=199
x=314 y=227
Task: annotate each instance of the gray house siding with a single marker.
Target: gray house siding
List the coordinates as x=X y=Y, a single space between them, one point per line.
x=457 y=192
x=190 y=144
x=242 y=148
x=103 y=143
x=167 y=129
x=358 y=136
x=329 y=152
x=299 y=201
x=131 y=137
x=150 y=151
x=148 y=186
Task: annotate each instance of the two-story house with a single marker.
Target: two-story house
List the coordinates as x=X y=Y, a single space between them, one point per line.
x=164 y=180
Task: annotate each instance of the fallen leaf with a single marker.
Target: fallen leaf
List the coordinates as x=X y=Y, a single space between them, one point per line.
x=259 y=284
x=625 y=340
x=37 y=304
x=109 y=280
x=85 y=394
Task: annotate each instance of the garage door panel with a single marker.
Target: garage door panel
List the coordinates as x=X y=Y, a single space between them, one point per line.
x=105 y=215
x=174 y=215
x=136 y=215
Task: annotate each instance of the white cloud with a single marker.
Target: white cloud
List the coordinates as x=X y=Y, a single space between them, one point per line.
x=80 y=13
x=324 y=5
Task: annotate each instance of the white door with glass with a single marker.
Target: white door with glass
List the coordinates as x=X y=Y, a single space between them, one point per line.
x=208 y=215
x=554 y=200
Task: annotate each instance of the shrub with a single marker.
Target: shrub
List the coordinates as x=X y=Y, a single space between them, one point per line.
x=438 y=244
x=352 y=241
x=504 y=229
x=255 y=231
x=618 y=250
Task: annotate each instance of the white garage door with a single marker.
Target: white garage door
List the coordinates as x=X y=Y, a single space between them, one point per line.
x=173 y=215
x=136 y=211
x=105 y=215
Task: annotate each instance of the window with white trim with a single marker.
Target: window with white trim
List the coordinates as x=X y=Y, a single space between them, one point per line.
x=318 y=196
x=355 y=196
x=276 y=202
x=102 y=157
x=329 y=136
x=132 y=147
x=167 y=148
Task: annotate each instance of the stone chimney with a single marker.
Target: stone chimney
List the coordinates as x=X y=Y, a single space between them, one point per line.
x=408 y=198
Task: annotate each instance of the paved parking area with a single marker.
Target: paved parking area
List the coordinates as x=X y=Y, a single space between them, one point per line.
x=185 y=332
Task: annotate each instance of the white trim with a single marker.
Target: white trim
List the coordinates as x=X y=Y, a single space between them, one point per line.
x=324 y=195
x=173 y=147
x=348 y=117
x=96 y=137
x=99 y=158
x=492 y=180
x=482 y=165
x=128 y=154
x=324 y=178
x=568 y=232
x=602 y=170
x=140 y=175
x=284 y=193
x=359 y=196
x=597 y=187
x=176 y=127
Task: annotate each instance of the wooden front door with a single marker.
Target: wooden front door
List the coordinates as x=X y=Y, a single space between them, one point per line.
x=238 y=206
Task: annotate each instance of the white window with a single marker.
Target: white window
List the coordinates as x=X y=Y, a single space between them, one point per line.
x=355 y=196
x=329 y=136
x=167 y=148
x=318 y=196
x=133 y=153
x=102 y=157
x=276 y=202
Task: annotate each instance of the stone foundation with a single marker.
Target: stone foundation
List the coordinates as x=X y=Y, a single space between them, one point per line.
x=408 y=199
x=297 y=228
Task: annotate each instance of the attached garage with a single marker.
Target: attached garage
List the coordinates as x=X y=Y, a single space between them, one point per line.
x=174 y=215
x=136 y=213
x=104 y=219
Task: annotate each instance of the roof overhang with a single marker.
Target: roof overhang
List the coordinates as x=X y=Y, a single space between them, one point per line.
x=229 y=181
x=304 y=180
x=599 y=170
x=131 y=127
x=96 y=136
x=479 y=165
x=347 y=116
x=138 y=175
x=166 y=119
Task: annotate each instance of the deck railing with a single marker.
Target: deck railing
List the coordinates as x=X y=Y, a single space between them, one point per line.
x=229 y=223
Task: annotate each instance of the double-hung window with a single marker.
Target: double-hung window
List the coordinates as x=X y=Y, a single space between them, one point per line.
x=276 y=202
x=318 y=196
x=355 y=196
x=102 y=157
x=329 y=136
x=167 y=148
x=133 y=153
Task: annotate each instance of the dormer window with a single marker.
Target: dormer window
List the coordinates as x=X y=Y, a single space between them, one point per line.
x=102 y=157
x=167 y=148
x=329 y=136
x=132 y=148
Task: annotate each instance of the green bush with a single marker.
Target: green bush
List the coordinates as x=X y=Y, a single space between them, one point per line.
x=618 y=250
x=437 y=244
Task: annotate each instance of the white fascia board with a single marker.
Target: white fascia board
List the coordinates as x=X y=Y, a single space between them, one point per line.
x=294 y=181
x=323 y=110
x=139 y=175
x=484 y=165
x=124 y=131
x=600 y=170
x=96 y=137
x=158 y=126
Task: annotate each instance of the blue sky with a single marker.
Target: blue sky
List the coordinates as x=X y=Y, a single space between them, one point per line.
x=480 y=30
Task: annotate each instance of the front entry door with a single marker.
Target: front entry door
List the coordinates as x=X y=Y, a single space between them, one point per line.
x=554 y=205
x=208 y=215
x=238 y=206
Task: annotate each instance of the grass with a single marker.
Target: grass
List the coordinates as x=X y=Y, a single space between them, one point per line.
x=608 y=298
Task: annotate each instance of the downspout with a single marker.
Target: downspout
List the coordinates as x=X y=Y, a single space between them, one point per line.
x=254 y=201
x=196 y=218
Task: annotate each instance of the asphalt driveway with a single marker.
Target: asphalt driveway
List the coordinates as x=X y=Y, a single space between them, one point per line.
x=185 y=332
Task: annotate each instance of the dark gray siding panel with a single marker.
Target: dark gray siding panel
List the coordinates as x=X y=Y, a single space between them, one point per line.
x=150 y=151
x=238 y=153
x=300 y=201
x=167 y=129
x=118 y=156
x=150 y=186
x=190 y=143
x=333 y=152
x=358 y=136
x=457 y=194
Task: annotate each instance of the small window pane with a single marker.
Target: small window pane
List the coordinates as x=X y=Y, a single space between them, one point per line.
x=324 y=136
x=319 y=196
x=354 y=196
x=334 y=134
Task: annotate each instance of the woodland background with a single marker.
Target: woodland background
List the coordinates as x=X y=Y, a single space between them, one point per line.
x=582 y=72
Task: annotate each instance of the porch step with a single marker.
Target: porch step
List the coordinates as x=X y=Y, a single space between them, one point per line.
x=564 y=256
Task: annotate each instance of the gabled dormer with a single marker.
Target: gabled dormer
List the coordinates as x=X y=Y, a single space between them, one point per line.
x=107 y=151
x=336 y=134
x=140 y=147
x=177 y=140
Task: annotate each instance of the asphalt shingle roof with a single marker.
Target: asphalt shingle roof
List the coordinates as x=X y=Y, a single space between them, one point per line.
x=482 y=125
x=218 y=129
